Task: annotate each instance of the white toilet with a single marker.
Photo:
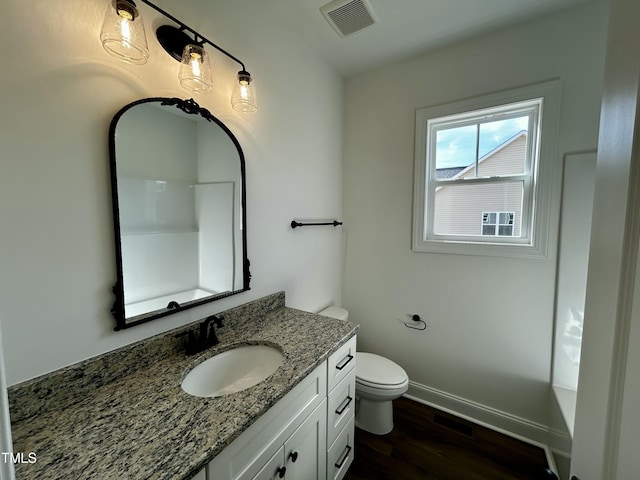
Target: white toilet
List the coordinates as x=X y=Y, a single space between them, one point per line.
x=378 y=382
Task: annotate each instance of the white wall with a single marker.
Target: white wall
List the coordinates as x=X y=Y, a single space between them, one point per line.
x=60 y=91
x=575 y=233
x=157 y=168
x=219 y=201
x=215 y=207
x=607 y=423
x=491 y=351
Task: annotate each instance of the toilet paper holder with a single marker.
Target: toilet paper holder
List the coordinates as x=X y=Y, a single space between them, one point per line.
x=416 y=324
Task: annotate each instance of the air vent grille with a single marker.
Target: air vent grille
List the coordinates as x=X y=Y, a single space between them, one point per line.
x=347 y=17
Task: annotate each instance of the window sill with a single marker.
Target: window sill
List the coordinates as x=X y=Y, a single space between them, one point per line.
x=567 y=402
x=479 y=249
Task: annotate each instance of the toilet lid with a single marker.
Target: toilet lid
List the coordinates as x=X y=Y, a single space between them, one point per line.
x=376 y=370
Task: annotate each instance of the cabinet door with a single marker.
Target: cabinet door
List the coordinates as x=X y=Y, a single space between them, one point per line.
x=305 y=451
x=274 y=469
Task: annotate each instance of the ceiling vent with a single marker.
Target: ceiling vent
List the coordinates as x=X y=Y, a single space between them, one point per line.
x=348 y=16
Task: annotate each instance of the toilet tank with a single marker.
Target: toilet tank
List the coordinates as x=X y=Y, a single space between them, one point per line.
x=335 y=312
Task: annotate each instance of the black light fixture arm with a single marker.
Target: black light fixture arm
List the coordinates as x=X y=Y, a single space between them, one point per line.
x=195 y=33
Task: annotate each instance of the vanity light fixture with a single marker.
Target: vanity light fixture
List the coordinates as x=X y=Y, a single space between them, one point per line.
x=122 y=33
x=195 y=71
x=243 y=98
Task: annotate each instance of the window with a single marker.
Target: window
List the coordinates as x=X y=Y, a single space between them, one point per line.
x=497 y=223
x=489 y=159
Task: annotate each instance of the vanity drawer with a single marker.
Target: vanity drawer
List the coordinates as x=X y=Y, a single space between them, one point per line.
x=340 y=363
x=340 y=454
x=341 y=406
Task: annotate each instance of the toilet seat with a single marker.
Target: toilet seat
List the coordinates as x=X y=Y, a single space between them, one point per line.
x=375 y=371
x=381 y=386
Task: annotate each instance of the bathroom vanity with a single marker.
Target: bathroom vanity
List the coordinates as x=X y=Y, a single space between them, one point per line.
x=307 y=435
x=124 y=414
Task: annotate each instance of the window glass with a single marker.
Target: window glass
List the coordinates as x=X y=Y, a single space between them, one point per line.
x=498 y=223
x=458 y=208
x=460 y=147
x=455 y=147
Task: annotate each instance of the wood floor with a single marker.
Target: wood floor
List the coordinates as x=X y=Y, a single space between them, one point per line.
x=427 y=444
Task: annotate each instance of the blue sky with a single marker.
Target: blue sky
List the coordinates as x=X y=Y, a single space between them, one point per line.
x=456 y=147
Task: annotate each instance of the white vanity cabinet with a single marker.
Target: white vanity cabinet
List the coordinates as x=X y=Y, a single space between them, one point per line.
x=293 y=439
x=341 y=400
x=264 y=442
x=302 y=457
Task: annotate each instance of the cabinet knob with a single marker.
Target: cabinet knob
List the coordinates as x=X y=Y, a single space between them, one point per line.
x=281 y=472
x=293 y=456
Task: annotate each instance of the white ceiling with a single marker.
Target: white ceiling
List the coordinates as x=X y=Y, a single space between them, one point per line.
x=406 y=27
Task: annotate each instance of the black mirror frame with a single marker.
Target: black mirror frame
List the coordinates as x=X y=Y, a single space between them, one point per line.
x=190 y=107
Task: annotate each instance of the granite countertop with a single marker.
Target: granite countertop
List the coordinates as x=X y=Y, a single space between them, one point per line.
x=143 y=426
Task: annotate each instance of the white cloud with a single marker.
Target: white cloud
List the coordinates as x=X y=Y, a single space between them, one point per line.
x=456 y=147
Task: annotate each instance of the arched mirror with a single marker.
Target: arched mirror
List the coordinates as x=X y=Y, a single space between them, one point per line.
x=178 y=190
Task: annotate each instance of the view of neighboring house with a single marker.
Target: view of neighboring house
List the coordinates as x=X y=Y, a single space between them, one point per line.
x=483 y=209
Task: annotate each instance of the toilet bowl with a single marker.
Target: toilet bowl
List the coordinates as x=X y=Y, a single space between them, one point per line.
x=379 y=381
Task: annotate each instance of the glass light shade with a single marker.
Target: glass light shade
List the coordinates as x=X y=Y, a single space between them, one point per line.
x=123 y=34
x=243 y=98
x=195 y=73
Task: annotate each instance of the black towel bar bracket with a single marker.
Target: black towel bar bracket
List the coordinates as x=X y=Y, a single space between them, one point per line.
x=295 y=224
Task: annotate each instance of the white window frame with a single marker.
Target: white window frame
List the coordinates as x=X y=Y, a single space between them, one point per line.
x=538 y=186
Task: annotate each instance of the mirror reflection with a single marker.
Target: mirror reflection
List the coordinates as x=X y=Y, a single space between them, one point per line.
x=179 y=195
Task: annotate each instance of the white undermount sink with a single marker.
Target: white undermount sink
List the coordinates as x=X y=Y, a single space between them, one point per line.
x=232 y=371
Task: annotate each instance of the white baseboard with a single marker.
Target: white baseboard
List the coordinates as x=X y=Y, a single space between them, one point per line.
x=506 y=423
